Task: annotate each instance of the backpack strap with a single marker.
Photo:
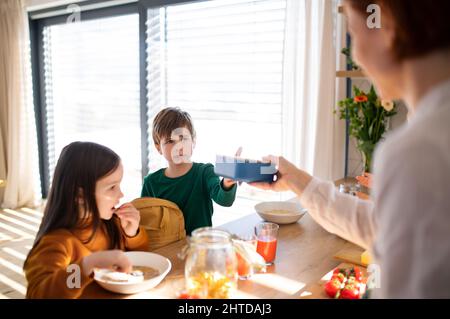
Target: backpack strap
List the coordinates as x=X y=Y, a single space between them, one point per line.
x=153 y=201
x=165 y=218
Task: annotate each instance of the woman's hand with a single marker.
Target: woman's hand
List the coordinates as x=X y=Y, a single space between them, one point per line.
x=289 y=177
x=129 y=219
x=365 y=179
x=109 y=259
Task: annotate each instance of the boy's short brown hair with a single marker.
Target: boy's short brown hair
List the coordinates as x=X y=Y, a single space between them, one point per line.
x=168 y=120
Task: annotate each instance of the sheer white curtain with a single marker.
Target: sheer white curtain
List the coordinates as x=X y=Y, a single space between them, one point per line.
x=311 y=128
x=18 y=160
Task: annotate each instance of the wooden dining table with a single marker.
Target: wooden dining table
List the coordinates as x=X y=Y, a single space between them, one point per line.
x=304 y=256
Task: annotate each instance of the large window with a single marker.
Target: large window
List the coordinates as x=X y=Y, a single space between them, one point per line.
x=222 y=61
x=104 y=79
x=92 y=89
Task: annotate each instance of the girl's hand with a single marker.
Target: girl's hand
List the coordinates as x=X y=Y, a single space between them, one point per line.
x=129 y=219
x=109 y=259
x=289 y=177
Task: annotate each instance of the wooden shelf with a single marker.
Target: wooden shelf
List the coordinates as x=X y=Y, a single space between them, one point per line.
x=350 y=74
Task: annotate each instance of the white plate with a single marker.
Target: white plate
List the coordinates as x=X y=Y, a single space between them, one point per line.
x=280 y=212
x=137 y=258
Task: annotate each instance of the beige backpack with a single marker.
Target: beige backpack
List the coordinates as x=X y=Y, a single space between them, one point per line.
x=163 y=221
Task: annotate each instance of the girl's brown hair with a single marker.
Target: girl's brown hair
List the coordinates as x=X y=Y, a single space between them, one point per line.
x=79 y=167
x=420 y=27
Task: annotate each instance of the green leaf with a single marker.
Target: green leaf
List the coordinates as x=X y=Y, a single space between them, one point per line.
x=371 y=128
x=367 y=147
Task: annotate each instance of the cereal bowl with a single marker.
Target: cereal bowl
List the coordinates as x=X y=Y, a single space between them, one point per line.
x=280 y=212
x=149 y=269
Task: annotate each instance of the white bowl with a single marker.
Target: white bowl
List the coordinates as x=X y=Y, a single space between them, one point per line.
x=280 y=212
x=137 y=258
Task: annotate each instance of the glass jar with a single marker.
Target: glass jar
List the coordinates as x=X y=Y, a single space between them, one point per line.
x=211 y=266
x=350 y=188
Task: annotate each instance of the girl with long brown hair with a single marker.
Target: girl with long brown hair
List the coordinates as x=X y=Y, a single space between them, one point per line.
x=83 y=226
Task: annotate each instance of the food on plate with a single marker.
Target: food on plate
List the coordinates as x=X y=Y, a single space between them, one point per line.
x=357 y=273
x=350 y=291
x=332 y=287
x=147 y=272
x=139 y=273
x=115 y=276
x=340 y=274
x=185 y=295
x=345 y=283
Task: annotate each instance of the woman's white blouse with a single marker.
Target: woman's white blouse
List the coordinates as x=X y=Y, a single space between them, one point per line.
x=407 y=226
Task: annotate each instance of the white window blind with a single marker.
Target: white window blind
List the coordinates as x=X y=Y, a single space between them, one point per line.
x=222 y=61
x=92 y=89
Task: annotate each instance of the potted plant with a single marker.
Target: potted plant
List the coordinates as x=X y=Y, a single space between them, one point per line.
x=367 y=116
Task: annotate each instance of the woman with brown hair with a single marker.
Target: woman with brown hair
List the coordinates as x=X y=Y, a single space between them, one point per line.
x=407 y=225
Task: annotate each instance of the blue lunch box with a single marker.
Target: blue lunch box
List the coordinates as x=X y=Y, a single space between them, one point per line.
x=244 y=170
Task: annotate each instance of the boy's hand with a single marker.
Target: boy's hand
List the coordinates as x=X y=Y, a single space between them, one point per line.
x=227 y=182
x=129 y=219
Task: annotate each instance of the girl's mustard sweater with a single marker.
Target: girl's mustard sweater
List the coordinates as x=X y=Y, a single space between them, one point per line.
x=53 y=265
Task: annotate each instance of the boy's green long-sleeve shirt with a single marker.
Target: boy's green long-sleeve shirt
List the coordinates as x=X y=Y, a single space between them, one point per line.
x=193 y=193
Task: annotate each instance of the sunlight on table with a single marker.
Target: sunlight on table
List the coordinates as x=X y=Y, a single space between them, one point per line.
x=279 y=283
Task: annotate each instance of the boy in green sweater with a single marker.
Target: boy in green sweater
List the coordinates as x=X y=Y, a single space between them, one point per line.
x=192 y=186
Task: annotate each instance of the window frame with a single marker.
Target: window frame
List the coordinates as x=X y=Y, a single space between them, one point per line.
x=90 y=10
x=37 y=25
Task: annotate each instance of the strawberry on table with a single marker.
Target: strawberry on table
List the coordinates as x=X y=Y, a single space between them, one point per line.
x=350 y=291
x=340 y=274
x=345 y=283
x=332 y=287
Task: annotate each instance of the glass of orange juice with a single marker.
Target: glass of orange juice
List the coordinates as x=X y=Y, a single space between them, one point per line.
x=244 y=267
x=266 y=234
